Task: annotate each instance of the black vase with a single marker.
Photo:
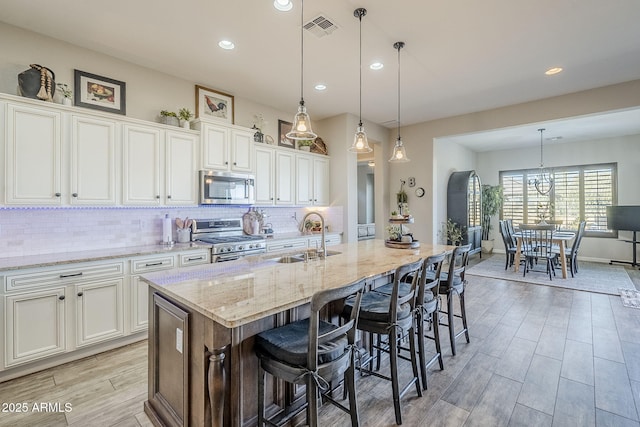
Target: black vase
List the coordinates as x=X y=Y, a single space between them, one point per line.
x=30 y=82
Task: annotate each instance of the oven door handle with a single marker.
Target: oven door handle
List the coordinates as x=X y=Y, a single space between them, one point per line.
x=228 y=257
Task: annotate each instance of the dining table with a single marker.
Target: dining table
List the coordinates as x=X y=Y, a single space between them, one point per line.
x=559 y=238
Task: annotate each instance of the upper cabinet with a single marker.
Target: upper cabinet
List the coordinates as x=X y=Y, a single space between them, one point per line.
x=93 y=161
x=313 y=180
x=34 y=155
x=225 y=147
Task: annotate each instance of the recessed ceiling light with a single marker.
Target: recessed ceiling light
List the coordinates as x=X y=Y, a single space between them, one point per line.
x=554 y=138
x=226 y=44
x=376 y=66
x=552 y=71
x=283 y=5
x=321 y=86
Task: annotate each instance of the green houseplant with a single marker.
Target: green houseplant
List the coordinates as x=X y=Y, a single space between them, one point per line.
x=305 y=143
x=453 y=232
x=169 y=118
x=492 y=198
x=185 y=115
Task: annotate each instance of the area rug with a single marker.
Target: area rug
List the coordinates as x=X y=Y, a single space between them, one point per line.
x=630 y=298
x=592 y=276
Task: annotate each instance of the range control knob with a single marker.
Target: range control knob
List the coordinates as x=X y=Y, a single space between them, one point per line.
x=241 y=248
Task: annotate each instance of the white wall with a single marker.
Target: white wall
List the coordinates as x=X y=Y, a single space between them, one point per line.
x=623 y=150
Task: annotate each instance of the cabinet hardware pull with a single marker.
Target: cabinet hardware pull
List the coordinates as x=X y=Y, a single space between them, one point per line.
x=169 y=196
x=80 y=294
x=235 y=164
x=158 y=196
x=226 y=163
x=64 y=276
x=61 y=297
x=75 y=194
x=287 y=246
x=195 y=259
x=58 y=194
x=153 y=264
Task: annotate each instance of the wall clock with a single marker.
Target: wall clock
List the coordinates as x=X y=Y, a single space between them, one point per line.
x=419 y=191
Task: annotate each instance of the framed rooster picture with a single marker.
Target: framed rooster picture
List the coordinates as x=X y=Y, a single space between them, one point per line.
x=211 y=104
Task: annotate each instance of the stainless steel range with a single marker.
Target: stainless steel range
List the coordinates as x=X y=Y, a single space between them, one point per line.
x=228 y=240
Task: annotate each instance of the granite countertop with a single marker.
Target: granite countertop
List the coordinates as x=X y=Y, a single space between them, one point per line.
x=238 y=292
x=298 y=235
x=48 y=260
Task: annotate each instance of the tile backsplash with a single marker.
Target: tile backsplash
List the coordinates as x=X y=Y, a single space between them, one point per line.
x=33 y=231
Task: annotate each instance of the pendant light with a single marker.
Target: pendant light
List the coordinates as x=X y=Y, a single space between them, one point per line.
x=399 y=154
x=301 y=128
x=360 y=142
x=544 y=181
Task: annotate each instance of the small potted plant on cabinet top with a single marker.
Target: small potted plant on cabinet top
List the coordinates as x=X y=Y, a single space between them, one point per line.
x=492 y=199
x=305 y=144
x=66 y=93
x=185 y=116
x=169 y=118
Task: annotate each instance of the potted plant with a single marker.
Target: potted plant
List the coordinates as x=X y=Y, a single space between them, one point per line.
x=66 y=93
x=169 y=118
x=185 y=115
x=305 y=144
x=492 y=199
x=453 y=232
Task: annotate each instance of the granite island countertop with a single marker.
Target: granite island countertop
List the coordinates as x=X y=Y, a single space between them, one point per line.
x=238 y=292
x=52 y=259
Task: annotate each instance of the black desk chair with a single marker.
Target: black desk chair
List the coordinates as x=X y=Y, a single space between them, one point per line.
x=391 y=315
x=312 y=352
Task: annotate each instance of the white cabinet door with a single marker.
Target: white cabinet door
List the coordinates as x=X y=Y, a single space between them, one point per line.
x=33 y=162
x=181 y=180
x=93 y=161
x=141 y=165
x=99 y=311
x=285 y=175
x=35 y=325
x=321 y=184
x=304 y=175
x=139 y=305
x=265 y=175
x=215 y=147
x=240 y=148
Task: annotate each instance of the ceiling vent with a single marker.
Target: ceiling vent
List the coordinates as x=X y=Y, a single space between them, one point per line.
x=320 y=26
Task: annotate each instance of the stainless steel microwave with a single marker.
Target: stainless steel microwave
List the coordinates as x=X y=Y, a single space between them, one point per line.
x=226 y=188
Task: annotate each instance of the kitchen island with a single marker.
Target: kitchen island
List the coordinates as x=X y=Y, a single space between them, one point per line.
x=202 y=369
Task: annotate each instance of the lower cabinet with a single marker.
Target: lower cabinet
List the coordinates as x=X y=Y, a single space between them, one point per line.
x=47 y=312
x=35 y=325
x=99 y=311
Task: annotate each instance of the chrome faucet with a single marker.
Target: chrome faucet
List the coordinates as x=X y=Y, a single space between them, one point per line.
x=323 y=249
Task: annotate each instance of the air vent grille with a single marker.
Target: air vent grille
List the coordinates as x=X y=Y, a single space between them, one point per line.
x=320 y=26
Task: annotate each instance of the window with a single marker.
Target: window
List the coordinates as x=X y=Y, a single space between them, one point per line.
x=580 y=193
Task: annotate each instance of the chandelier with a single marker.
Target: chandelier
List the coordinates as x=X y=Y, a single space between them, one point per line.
x=543 y=182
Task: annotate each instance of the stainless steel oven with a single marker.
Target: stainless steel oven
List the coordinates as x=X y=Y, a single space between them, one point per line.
x=227 y=239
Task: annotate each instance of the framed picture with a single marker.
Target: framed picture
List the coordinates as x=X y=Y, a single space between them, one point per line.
x=99 y=93
x=283 y=129
x=212 y=104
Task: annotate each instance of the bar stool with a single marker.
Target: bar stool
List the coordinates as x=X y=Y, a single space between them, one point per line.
x=312 y=352
x=393 y=316
x=453 y=282
x=426 y=310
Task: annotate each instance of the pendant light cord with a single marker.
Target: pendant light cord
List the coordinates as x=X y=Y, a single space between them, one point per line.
x=301 y=52
x=541 y=163
x=399 y=45
x=360 y=18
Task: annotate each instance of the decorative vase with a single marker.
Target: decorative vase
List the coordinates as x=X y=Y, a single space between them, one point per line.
x=305 y=148
x=67 y=101
x=37 y=82
x=169 y=120
x=258 y=136
x=186 y=124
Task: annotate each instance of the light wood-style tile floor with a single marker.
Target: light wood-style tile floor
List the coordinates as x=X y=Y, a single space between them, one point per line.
x=539 y=356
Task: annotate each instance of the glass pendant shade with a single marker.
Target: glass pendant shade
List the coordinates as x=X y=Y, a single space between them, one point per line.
x=360 y=142
x=399 y=154
x=301 y=128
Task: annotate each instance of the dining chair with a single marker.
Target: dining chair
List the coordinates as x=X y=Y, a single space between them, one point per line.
x=537 y=244
x=571 y=253
x=509 y=244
